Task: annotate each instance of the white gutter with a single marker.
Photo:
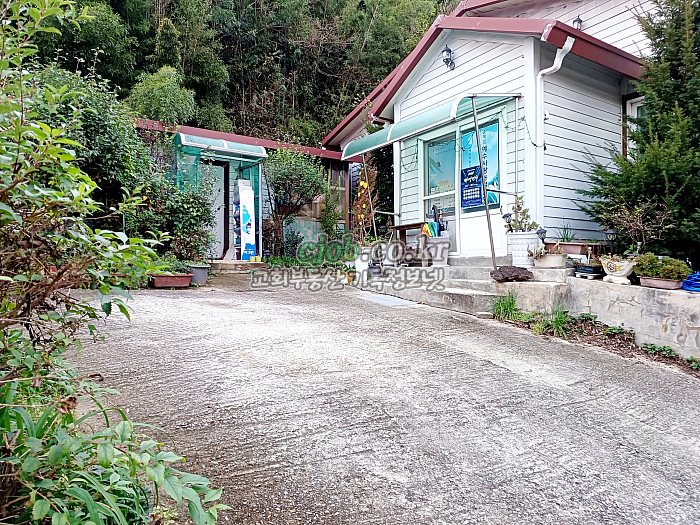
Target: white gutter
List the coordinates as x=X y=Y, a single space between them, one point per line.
x=540 y=120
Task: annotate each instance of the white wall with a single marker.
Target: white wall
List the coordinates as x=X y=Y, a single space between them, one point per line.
x=585 y=116
x=483 y=64
x=612 y=21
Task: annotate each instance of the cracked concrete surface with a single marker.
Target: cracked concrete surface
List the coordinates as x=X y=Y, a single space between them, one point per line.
x=324 y=408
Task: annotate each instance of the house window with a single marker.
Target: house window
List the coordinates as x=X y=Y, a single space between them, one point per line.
x=471 y=191
x=440 y=174
x=635 y=109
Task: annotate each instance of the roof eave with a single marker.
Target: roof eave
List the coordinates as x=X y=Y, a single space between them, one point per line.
x=551 y=31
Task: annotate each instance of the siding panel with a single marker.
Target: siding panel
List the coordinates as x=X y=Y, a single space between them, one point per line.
x=585 y=116
x=612 y=21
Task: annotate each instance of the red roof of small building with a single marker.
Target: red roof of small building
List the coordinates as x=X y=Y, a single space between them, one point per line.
x=156 y=125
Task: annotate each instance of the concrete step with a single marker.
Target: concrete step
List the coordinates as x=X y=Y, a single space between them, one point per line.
x=506 y=260
x=457 y=300
x=532 y=296
x=468 y=272
x=220 y=266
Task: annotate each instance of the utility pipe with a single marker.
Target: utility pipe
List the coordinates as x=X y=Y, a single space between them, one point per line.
x=539 y=118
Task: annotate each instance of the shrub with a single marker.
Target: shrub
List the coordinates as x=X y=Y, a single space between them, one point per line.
x=292 y=240
x=294 y=179
x=51 y=471
x=648 y=265
x=674 y=269
x=160 y=97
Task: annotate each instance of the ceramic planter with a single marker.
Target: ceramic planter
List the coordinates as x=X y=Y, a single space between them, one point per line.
x=551 y=260
x=572 y=248
x=617 y=271
x=200 y=273
x=519 y=243
x=172 y=281
x=658 y=282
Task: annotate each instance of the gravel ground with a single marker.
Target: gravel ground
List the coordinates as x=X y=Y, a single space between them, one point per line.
x=331 y=408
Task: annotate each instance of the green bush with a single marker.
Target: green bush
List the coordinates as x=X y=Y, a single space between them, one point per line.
x=292 y=241
x=57 y=468
x=648 y=265
x=674 y=269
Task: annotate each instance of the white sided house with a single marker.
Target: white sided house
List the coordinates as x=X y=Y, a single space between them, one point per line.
x=551 y=84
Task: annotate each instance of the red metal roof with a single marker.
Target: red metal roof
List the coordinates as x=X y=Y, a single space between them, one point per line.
x=156 y=125
x=551 y=31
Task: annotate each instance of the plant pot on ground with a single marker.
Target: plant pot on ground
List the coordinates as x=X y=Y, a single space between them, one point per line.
x=200 y=272
x=553 y=258
x=170 y=273
x=171 y=281
x=522 y=235
x=665 y=273
x=572 y=248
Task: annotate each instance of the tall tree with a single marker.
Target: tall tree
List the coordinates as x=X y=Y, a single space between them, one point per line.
x=661 y=171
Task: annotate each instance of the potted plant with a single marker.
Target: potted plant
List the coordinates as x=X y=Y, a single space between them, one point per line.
x=592 y=266
x=199 y=271
x=171 y=273
x=522 y=235
x=617 y=268
x=567 y=241
x=553 y=258
x=666 y=273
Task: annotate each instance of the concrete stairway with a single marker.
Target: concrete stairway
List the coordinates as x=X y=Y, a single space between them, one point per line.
x=468 y=286
x=220 y=266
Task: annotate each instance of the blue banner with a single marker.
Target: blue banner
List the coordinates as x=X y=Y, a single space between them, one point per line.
x=472 y=194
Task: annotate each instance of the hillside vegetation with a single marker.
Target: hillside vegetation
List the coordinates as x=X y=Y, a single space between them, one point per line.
x=285 y=70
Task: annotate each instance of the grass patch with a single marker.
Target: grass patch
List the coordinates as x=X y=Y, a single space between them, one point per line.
x=504 y=308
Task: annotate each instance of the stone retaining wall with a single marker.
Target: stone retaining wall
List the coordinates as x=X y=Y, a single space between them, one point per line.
x=661 y=317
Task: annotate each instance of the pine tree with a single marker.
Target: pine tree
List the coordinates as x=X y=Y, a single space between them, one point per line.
x=662 y=171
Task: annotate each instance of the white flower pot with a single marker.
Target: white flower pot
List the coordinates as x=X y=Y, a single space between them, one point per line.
x=551 y=260
x=362 y=264
x=519 y=243
x=617 y=271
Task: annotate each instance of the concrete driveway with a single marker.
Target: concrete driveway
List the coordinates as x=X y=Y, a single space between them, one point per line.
x=333 y=408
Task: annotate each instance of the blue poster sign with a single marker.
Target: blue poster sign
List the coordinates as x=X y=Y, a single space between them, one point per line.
x=471 y=187
x=471 y=170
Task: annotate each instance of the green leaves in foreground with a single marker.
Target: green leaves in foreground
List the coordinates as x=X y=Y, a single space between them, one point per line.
x=94 y=479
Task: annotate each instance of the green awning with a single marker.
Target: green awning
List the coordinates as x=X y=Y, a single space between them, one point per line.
x=457 y=109
x=367 y=143
x=223 y=147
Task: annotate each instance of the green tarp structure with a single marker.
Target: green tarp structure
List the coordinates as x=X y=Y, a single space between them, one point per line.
x=192 y=150
x=458 y=109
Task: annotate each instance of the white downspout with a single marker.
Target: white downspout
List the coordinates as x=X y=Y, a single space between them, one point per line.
x=539 y=115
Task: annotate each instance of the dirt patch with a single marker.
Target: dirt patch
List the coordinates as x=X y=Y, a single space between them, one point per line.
x=614 y=339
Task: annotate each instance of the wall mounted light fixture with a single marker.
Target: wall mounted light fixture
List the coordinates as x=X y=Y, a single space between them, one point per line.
x=578 y=23
x=447 y=58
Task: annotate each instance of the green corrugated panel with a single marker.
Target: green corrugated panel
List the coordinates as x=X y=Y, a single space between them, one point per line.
x=424 y=121
x=456 y=109
x=367 y=143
